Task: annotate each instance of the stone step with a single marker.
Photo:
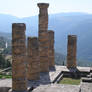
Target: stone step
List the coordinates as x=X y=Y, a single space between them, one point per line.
x=91 y=69
x=55 y=80
x=91 y=74
x=86 y=87
x=84 y=79
x=61 y=77
x=88 y=76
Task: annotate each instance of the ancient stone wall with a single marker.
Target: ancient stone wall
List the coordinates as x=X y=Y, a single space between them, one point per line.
x=19 y=81
x=33 y=72
x=71 y=51
x=43 y=36
x=51 y=48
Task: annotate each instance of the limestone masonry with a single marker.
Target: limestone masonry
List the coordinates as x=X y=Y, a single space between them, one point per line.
x=71 y=51
x=33 y=72
x=43 y=37
x=51 y=48
x=34 y=69
x=19 y=79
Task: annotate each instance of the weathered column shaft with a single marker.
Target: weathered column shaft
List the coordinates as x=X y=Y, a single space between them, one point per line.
x=19 y=81
x=33 y=59
x=71 y=51
x=43 y=37
x=51 y=48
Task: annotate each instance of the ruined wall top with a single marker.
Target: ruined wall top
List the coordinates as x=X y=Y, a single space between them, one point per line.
x=71 y=36
x=30 y=38
x=72 y=39
x=33 y=41
x=51 y=31
x=43 y=5
x=51 y=34
x=19 y=26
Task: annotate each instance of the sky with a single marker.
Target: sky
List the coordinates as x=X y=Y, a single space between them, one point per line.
x=26 y=8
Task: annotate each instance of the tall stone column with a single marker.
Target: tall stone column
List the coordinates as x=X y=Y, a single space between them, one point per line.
x=33 y=59
x=43 y=36
x=19 y=81
x=71 y=51
x=51 y=48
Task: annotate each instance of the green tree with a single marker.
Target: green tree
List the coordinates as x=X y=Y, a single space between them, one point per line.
x=4 y=63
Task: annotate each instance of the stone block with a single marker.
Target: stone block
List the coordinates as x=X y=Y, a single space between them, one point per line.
x=71 y=51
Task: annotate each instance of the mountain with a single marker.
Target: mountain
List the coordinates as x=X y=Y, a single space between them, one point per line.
x=63 y=24
x=79 y=25
x=60 y=59
x=7 y=20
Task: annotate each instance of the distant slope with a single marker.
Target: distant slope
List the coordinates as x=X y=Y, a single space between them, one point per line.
x=63 y=24
x=6 y=22
x=59 y=59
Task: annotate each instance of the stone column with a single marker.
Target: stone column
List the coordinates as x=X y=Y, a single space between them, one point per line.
x=51 y=48
x=43 y=36
x=33 y=59
x=71 y=51
x=19 y=81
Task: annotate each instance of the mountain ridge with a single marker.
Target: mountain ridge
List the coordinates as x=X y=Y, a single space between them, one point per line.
x=62 y=24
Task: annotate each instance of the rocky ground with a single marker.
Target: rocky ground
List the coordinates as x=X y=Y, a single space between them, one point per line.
x=45 y=84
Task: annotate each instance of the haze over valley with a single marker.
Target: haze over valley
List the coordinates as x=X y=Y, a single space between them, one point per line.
x=63 y=24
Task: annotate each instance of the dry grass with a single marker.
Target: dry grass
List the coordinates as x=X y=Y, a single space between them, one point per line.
x=70 y=81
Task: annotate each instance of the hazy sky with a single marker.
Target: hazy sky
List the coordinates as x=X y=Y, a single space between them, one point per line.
x=25 y=8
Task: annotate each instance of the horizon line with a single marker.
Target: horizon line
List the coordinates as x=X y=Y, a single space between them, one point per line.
x=48 y=14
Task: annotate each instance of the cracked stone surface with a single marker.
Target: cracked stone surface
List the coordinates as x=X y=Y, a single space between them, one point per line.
x=83 y=87
x=47 y=78
x=5 y=82
x=57 y=88
x=86 y=87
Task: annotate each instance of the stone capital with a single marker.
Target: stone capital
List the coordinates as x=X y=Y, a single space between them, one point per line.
x=43 y=5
